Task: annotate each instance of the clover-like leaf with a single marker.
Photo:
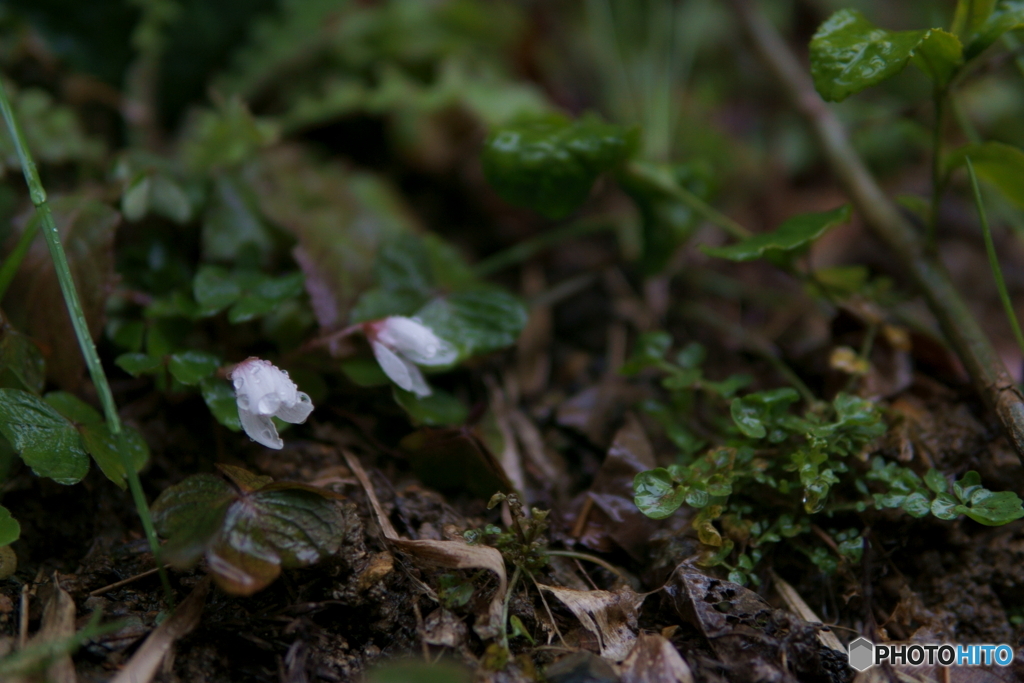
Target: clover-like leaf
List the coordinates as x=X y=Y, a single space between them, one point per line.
x=220 y=399
x=945 y=506
x=965 y=487
x=656 y=494
x=754 y=414
x=46 y=441
x=849 y=53
x=550 y=164
x=792 y=237
x=247 y=528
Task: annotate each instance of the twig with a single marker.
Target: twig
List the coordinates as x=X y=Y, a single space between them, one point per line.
x=81 y=327
x=125 y=582
x=989 y=374
x=589 y=558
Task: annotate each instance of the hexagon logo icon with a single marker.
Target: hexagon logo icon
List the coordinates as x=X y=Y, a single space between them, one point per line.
x=862 y=654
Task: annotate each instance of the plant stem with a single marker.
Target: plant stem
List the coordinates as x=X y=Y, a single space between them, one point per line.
x=527 y=248
x=993 y=260
x=939 y=99
x=10 y=267
x=638 y=172
x=504 y=606
x=589 y=558
x=991 y=379
x=92 y=359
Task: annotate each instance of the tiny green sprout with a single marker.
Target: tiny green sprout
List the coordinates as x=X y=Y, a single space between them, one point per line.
x=524 y=544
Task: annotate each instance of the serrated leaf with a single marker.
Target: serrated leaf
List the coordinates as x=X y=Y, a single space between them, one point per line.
x=436 y=410
x=849 y=53
x=220 y=399
x=191 y=367
x=136 y=364
x=10 y=530
x=656 y=494
x=46 y=441
x=550 y=164
x=997 y=163
x=792 y=236
x=21 y=363
x=247 y=536
x=477 y=321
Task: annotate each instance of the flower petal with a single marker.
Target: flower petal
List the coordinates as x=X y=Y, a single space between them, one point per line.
x=401 y=371
x=297 y=413
x=260 y=429
x=414 y=340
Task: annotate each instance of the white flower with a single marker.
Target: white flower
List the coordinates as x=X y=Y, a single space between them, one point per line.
x=262 y=391
x=401 y=344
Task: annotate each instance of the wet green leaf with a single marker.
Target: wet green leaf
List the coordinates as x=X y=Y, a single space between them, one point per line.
x=965 y=487
x=1000 y=164
x=266 y=296
x=73 y=408
x=437 y=410
x=247 y=536
x=191 y=367
x=550 y=164
x=220 y=399
x=945 y=506
x=656 y=494
x=476 y=321
x=935 y=480
x=791 y=238
x=214 y=289
x=916 y=505
x=993 y=509
x=46 y=441
x=21 y=363
x=10 y=530
x=849 y=53
x=756 y=413
x=136 y=364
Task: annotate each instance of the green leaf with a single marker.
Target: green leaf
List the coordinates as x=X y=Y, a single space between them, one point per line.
x=73 y=408
x=136 y=364
x=649 y=351
x=364 y=372
x=655 y=494
x=102 y=446
x=849 y=53
x=1007 y=16
x=232 y=223
x=993 y=509
x=965 y=487
x=997 y=163
x=266 y=296
x=970 y=15
x=935 y=480
x=756 y=413
x=220 y=399
x=438 y=409
x=10 y=530
x=945 y=506
x=550 y=164
x=916 y=504
x=225 y=137
x=46 y=441
x=214 y=289
x=191 y=367
x=247 y=536
x=794 y=235
x=477 y=321
x=21 y=363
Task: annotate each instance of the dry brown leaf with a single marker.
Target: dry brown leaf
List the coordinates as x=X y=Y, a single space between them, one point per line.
x=58 y=624
x=143 y=665
x=447 y=554
x=611 y=616
x=655 y=660
x=796 y=604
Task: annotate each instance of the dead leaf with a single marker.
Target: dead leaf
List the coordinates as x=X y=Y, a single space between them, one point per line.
x=58 y=624
x=143 y=665
x=798 y=606
x=611 y=616
x=655 y=660
x=35 y=302
x=447 y=554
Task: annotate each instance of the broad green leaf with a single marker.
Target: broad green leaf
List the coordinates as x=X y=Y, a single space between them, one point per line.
x=1006 y=16
x=437 y=410
x=266 y=296
x=10 y=530
x=73 y=408
x=46 y=441
x=550 y=164
x=214 y=289
x=794 y=235
x=849 y=53
x=993 y=509
x=997 y=163
x=755 y=414
x=477 y=321
x=21 y=363
x=247 y=534
x=220 y=399
x=656 y=494
x=102 y=446
x=191 y=367
x=935 y=480
x=136 y=364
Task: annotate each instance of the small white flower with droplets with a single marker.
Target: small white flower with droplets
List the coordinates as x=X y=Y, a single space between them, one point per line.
x=263 y=391
x=401 y=344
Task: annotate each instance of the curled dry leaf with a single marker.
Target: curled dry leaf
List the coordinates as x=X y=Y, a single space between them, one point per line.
x=58 y=625
x=611 y=616
x=655 y=660
x=447 y=554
